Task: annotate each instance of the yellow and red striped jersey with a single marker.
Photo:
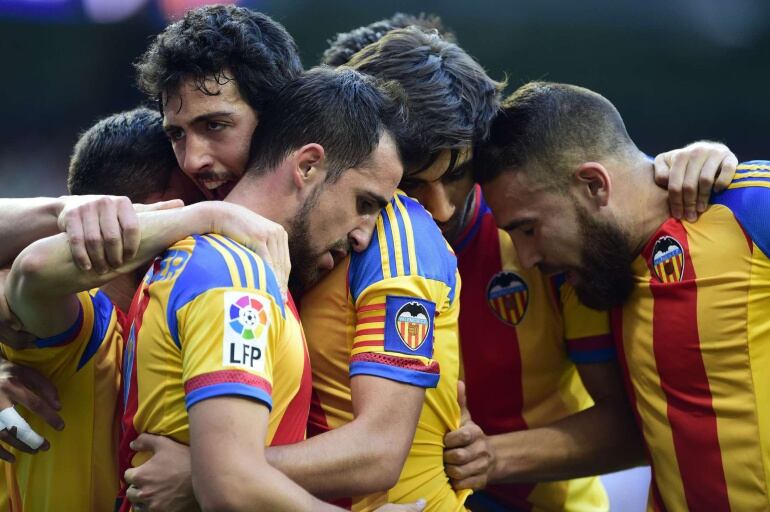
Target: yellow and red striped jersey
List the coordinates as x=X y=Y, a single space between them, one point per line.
x=694 y=340
x=209 y=320
x=391 y=311
x=523 y=332
x=79 y=471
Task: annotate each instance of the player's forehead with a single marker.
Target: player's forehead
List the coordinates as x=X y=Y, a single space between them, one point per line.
x=513 y=198
x=191 y=100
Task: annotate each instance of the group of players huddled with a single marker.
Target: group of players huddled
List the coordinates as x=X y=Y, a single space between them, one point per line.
x=377 y=285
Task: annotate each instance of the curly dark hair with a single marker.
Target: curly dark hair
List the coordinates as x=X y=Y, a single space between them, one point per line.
x=225 y=42
x=450 y=98
x=346 y=44
x=125 y=154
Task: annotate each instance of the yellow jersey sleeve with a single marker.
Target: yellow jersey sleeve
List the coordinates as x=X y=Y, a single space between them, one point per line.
x=64 y=354
x=586 y=331
x=228 y=339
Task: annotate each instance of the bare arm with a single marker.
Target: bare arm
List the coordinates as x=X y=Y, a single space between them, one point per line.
x=229 y=470
x=365 y=455
x=597 y=440
x=44 y=278
x=22 y=221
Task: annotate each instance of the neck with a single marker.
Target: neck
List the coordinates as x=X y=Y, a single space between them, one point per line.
x=265 y=195
x=645 y=205
x=121 y=290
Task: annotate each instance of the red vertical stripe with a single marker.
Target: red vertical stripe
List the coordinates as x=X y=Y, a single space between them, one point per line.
x=490 y=351
x=616 y=318
x=293 y=424
x=676 y=346
x=128 y=431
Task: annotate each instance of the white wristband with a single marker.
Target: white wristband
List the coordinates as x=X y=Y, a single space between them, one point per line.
x=10 y=418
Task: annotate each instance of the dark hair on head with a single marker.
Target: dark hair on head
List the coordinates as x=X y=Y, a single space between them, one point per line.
x=344 y=111
x=226 y=43
x=548 y=127
x=346 y=44
x=125 y=154
x=450 y=97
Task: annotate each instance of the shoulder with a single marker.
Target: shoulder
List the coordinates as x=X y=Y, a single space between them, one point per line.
x=204 y=262
x=406 y=242
x=748 y=198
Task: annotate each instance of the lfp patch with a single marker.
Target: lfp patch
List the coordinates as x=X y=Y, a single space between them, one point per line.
x=668 y=259
x=508 y=296
x=409 y=325
x=247 y=319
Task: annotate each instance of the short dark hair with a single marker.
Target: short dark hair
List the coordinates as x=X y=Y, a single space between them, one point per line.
x=125 y=154
x=450 y=97
x=344 y=111
x=226 y=43
x=551 y=126
x=346 y=44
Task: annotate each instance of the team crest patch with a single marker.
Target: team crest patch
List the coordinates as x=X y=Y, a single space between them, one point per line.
x=409 y=325
x=668 y=259
x=508 y=296
x=247 y=319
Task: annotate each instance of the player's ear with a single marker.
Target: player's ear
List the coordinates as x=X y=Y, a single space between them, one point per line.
x=591 y=184
x=310 y=166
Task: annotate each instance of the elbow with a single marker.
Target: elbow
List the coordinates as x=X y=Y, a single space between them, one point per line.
x=26 y=272
x=385 y=467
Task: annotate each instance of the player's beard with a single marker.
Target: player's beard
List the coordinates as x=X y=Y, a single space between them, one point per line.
x=605 y=278
x=304 y=260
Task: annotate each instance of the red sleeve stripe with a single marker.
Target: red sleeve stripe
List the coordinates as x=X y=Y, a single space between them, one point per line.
x=364 y=332
x=399 y=362
x=371 y=307
x=590 y=343
x=227 y=376
x=371 y=320
x=371 y=343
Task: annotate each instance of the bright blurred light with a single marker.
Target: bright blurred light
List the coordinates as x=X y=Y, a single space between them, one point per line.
x=111 y=11
x=174 y=9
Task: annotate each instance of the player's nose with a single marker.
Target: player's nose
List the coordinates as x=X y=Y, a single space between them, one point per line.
x=527 y=253
x=361 y=236
x=197 y=157
x=435 y=199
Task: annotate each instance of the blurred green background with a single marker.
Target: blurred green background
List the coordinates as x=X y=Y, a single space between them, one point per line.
x=677 y=70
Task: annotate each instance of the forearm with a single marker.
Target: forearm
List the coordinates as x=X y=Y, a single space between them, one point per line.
x=22 y=221
x=45 y=272
x=339 y=463
x=597 y=440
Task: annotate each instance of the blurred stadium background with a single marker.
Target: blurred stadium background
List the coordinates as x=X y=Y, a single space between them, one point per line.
x=678 y=71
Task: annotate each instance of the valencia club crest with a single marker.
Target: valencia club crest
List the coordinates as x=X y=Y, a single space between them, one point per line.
x=508 y=296
x=668 y=259
x=413 y=324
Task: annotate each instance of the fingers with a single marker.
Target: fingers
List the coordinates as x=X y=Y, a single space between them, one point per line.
x=160 y=205
x=726 y=172
x=16 y=339
x=134 y=494
x=417 y=506
x=129 y=226
x=463 y=436
x=705 y=181
x=11 y=437
x=475 y=482
x=73 y=226
x=22 y=395
x=661 y=169
x=6 y=455
x=465 y=470
x=690 y=183
x=146 y=443
x=111 y=236
x=92 y=232
x=678 y=169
